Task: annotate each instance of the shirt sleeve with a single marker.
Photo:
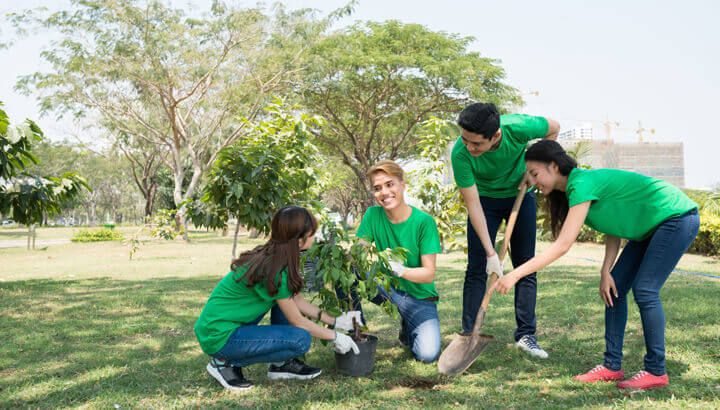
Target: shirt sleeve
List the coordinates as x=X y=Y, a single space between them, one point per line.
x=429 y=237
x=525 y=128
x=580 y=191
x=462 y=169
x=364 y=230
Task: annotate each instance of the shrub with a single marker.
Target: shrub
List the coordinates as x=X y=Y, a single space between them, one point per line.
x=109 y=226
x=98 y=235
x=708 y=238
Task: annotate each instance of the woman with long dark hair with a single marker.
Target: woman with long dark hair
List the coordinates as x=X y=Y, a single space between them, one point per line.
x=268 y=278
x=658 y=220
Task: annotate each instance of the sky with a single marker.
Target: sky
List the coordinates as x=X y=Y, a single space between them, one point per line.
x=654 y=63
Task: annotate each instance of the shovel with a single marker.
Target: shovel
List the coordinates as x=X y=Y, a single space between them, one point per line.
x=465 y=348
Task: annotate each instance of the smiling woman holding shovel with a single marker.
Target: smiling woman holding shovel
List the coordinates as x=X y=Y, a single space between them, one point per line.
x=267 y=278
x=659 y=221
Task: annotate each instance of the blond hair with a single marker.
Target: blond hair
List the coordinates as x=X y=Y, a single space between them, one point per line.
x=388 y=167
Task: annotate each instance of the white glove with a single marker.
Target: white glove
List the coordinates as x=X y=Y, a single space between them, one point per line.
x=494 y=265
x=398 y=268
x=345 y=321
x=344 y=343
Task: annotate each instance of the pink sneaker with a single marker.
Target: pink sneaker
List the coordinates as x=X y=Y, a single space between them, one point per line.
x=600 y=374
x=644 y=381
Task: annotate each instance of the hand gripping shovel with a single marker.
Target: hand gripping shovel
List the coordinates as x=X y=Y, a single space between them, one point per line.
x=465 y=348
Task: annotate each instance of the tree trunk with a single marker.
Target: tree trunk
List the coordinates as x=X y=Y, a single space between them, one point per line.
x=29 y=235
x=237 y=229
x=34 y=235
x=150 y=199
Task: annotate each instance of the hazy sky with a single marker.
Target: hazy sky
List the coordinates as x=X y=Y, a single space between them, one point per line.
x=657 y=62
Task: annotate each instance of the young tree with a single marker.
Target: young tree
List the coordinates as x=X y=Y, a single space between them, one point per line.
x=272 y=166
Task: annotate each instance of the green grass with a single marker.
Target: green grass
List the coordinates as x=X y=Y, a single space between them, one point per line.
x=85 y=327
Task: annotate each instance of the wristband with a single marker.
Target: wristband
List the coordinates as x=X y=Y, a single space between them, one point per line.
x=319 y=316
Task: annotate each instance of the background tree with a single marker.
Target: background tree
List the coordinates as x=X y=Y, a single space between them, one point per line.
x=24 y=197
x=269 y=168
x=374 y=82
x=125 y=62
x=430 y=182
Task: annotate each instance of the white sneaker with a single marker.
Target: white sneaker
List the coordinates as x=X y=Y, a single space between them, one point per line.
x=529 y=344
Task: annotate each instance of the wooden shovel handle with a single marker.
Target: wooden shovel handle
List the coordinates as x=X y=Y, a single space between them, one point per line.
x=506 y=243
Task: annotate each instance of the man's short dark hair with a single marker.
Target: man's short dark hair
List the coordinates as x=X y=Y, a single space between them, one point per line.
x=480 y=118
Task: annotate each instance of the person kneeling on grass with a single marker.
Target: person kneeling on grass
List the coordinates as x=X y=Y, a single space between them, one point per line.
x=393 y=224
x=267 y=278
x=659 y=221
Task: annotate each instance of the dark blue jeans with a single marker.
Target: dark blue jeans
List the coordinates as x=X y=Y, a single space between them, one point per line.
x=275 y=343
x=522 y=249
x=644 y=267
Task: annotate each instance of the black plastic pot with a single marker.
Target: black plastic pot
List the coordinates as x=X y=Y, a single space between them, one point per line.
x=360 y=364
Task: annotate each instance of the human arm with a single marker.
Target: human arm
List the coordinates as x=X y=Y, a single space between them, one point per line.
x=553 y=129
x=607 y=283
x=421 y=274
x=293 y=313
x=568 y=234
x=477 y=217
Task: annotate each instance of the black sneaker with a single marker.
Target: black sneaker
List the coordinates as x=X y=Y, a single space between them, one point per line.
x=293 y=369
x=229 y=377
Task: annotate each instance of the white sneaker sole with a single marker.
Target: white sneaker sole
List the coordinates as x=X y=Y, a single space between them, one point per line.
x=532 y=352
x=217 y=376
x=291 y=376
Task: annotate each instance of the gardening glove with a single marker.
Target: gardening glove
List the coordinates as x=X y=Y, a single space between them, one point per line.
x=345 y=321
x=398 y=268
x=344 y=343
x=494 y=265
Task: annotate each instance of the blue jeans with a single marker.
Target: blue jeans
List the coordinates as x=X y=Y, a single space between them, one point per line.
x=522 y=245
x=644 y=267
x=420 y=323
x=275 y=343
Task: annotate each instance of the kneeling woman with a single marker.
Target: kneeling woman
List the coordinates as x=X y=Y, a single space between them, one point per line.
x=392 y=224
x=267 y=278
x=659 y=221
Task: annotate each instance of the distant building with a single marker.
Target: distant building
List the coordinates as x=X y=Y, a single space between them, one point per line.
x=583 y=132
x=659 y=160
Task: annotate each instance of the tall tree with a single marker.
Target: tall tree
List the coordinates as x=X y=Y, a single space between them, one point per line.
x=375 y=82
x=182 y=79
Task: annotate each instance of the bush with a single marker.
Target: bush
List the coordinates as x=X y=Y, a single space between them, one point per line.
x=708 y=238
x=109 y=226
x=99 y=235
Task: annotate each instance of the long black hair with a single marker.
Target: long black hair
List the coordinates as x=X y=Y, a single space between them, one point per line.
x=289 y=225
x=549 y=151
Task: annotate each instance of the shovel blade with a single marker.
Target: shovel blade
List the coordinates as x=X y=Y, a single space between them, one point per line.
x=461 y=353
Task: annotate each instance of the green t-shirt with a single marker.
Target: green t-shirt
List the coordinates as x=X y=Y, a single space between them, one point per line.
x=233 y=304
x=418 y=234
x=625 y=204
x=498 y=173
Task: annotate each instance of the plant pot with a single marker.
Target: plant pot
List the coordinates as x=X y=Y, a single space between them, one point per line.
x=360 y=364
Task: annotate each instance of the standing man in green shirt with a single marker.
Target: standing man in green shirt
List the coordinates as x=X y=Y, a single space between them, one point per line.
x=488 y=162
x=658 y=220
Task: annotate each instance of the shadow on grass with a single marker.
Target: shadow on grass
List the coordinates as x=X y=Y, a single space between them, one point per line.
x=102 y=342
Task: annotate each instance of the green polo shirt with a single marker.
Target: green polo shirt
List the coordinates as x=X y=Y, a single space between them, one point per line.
x=498 y=173
x=418 y=234
x=625 y=204
x=233 y=304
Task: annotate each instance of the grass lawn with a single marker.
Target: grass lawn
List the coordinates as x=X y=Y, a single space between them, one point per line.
x=83 y=326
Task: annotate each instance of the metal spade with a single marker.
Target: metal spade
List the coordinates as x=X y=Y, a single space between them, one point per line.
x=465 y=348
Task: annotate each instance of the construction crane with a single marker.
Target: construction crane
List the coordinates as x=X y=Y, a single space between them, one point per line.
x=640 y=129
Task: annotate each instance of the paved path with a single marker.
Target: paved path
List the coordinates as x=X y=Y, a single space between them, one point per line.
x=39 y=243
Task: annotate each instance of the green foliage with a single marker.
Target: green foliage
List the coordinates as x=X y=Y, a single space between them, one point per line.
x=346 y=262
x=427 y=182
x=164 y=226
x=15 y=144
x=707 y=241
x=375 y=82
x=97 y=235
x=272 y=167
